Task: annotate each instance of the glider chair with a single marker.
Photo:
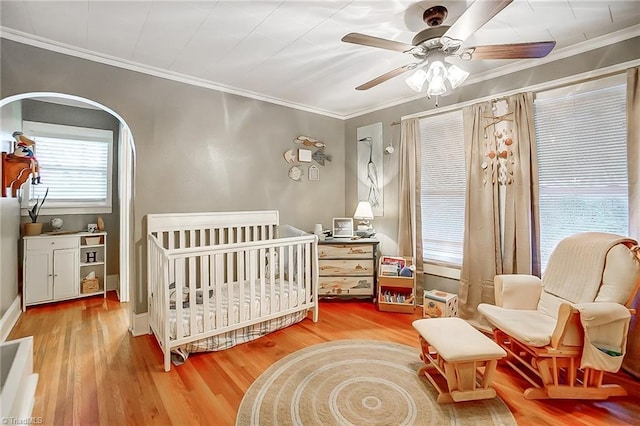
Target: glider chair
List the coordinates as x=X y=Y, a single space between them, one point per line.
x=564 y=331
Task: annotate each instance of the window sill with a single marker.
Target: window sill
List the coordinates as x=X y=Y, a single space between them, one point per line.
x=442 y=270
x=70 y=210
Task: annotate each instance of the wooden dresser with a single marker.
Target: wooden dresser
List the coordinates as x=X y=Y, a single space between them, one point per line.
x=347 y=268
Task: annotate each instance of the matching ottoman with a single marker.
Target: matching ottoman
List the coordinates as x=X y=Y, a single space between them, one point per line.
x=457 y=351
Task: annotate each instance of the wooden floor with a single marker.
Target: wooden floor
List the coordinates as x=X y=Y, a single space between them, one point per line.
x=92 y=371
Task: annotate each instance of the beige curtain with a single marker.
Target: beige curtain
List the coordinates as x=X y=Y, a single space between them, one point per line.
x=502 y=170
x=521 y=239
x=481 y=247
x=633 y=149
x=409 y=216
x=631 y=363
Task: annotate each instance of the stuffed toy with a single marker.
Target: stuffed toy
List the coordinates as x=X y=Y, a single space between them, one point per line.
x=24 y=148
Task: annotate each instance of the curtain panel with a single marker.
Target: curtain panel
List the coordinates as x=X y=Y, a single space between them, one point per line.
x=501 y=211
x=631 y=363
x=409 y=216
x=481 y=258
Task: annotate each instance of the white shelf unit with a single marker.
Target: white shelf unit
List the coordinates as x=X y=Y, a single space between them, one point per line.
x=55 y=264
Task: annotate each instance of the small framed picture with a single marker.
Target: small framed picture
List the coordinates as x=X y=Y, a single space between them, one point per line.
x=304 y=155
x=92 y=227
x=342 y=227
x=314 y=173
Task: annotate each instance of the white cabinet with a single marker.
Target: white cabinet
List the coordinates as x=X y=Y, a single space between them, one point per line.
x=54 y=267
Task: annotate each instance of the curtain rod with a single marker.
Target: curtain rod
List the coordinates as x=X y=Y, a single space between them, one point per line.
x=553 y=84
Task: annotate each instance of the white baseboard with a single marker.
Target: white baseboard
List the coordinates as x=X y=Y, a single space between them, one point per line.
x=113 y=282
x=139 y=324
x=10 y=318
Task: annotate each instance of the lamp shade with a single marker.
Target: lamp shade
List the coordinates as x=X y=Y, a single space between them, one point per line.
x=363 y=211
x=416 y=81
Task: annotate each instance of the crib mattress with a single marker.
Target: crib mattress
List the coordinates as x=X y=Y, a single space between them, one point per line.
x=288 y=299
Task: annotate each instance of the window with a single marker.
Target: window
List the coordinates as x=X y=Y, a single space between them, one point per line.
x=443 y=186
x=582 y=160
x=75 y=165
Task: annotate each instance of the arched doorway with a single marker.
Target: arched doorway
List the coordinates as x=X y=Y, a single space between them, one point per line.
x=125 y=166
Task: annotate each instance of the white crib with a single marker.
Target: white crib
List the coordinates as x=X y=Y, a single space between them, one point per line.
x=215 y=274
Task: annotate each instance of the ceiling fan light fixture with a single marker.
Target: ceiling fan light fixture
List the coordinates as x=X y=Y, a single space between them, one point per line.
x=436 y=86
x=436 y=70
x=456 y=76
x=417 y=79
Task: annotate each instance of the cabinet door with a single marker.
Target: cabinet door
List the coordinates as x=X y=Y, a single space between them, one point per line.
x=66 y=281
x=38 y=276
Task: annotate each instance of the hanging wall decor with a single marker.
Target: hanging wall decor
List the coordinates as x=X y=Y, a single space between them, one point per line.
x=499 y=143
x=304 y=154
x=314 y=172
x=369 y=166
x=295 y=173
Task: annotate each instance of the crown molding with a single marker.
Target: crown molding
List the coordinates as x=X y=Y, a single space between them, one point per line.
x=54 y=46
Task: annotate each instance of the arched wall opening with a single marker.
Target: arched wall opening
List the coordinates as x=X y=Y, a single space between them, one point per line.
x=125 y=164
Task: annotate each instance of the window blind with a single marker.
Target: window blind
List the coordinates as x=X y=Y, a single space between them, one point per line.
x=75 y=166
x=443 y=186
x=73 y=170
x=581 y=138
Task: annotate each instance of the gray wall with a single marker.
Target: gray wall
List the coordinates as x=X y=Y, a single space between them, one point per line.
x=10 y=120
x=387 y=226
x=196 y=149
x=47 y=112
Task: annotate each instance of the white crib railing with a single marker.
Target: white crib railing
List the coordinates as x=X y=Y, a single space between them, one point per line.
x=268 y=278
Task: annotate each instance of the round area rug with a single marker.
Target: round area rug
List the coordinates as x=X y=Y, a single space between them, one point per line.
x=357 y=382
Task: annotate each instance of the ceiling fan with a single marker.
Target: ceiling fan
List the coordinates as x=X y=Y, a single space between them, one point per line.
x=431 y=46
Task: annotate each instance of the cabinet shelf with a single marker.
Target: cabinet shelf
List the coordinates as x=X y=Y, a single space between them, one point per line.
x=91 y=263
x=54 y=267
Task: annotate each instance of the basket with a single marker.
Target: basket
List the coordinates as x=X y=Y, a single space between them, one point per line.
x=90 y=285
x=92 y=241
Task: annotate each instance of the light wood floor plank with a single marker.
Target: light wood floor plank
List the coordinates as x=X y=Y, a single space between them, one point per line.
x=92 y=371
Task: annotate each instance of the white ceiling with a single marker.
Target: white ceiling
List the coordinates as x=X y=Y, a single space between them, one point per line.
x=289 y=51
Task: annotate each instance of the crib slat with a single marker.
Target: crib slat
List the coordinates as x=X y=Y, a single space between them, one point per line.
x=272 y=279
x=253 y=276
x=242 y=283
x=181 y=239
x=228 y=279
x=179 y=280
x=300 y=277
x=263 y=301
x=281 y=277
x=307 y=272
x=217 y=285
x=205 y=261
x=193 y=302
x=290 y=277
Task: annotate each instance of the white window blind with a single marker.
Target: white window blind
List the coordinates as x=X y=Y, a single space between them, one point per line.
x=75 y=166
x=443 y=185
x=581 y=138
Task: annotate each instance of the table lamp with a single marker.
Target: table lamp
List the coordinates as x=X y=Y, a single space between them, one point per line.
x=364 y=213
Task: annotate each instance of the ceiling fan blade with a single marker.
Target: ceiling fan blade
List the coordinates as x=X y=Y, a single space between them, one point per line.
x=513 y=51
x=386 y=76
x=476 y=15
x=381 y=43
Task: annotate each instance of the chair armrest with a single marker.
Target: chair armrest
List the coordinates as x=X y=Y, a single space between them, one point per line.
x=517 y=291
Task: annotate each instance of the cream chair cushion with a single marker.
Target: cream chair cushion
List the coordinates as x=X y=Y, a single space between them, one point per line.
x=531 y=327
x=620 y=275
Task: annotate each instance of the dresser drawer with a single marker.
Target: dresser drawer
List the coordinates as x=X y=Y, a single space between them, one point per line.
x=345 y=286
x=345 y=251
x=44 y=243
x=363 y=267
